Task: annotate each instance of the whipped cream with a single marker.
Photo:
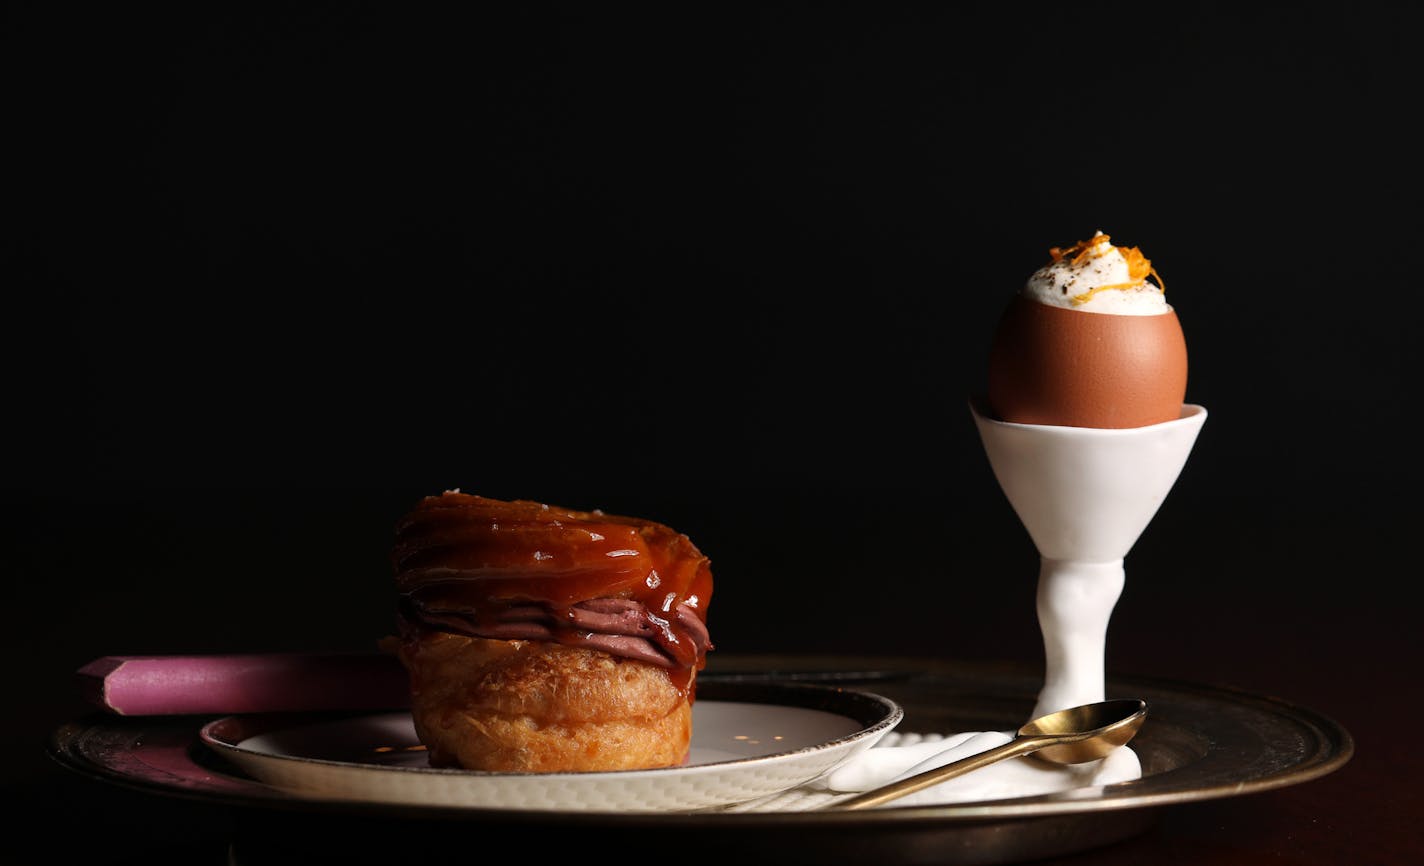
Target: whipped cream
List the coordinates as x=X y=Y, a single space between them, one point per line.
x=1094 y=276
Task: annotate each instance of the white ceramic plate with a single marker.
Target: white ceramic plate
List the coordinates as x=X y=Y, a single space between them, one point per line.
x=777 y=738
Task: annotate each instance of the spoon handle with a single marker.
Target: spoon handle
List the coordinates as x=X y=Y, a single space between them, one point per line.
x=1021 y=745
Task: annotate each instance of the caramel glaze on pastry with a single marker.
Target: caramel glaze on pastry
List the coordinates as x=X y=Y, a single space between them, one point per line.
x=543 y=639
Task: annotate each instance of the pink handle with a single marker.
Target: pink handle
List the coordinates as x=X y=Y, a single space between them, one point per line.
x=244 y=683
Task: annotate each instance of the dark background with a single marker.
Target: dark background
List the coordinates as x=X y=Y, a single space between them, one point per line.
x=272 y=274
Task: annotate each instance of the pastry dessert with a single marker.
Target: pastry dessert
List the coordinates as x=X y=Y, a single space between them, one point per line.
x=1089 y=341
x=545 y=639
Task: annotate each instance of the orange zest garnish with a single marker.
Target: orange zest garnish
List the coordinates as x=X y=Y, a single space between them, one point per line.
x=1139 y=267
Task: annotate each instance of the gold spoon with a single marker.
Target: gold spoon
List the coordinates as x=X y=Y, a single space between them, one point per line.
x=1072 y=736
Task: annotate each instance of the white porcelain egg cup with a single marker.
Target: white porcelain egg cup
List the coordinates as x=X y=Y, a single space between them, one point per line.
x=1085 y=495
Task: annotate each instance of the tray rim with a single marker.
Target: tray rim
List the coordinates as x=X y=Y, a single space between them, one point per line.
x=196 y=773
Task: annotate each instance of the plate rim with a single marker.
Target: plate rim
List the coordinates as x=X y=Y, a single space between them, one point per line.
x=876 y=714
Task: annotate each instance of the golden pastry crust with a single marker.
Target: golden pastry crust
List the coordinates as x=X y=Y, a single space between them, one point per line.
x=539 y=707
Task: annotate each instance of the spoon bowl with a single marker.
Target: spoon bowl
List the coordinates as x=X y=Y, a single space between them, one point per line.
x=1088 y=732
x=1072 y=736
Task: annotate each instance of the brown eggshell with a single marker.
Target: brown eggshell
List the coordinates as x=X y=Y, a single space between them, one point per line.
x=1051 y=365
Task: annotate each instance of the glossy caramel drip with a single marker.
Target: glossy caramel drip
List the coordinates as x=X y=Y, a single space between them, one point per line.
x=476 y=559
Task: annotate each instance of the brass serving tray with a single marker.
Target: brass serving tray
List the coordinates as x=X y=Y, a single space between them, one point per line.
x=1200 y=742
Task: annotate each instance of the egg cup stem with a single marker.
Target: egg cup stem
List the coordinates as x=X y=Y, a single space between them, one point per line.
x=1075 y=603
